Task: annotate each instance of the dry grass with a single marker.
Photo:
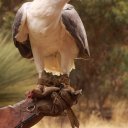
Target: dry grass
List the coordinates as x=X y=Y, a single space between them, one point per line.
x=93 y=122
x=119 y=120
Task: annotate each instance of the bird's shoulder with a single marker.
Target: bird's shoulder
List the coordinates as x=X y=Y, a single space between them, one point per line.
x=68 y=7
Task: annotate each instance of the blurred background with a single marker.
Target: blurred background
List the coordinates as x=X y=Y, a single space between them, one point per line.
x=103 y=77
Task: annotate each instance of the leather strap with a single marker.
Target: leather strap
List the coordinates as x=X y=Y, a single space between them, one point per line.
x=30 y=121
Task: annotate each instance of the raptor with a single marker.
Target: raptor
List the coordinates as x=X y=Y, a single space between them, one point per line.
x=52 y=33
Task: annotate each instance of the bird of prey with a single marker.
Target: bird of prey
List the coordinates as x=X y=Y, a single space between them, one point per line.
x=52 y=33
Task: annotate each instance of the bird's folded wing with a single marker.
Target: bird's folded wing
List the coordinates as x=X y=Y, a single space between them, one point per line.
x=20 y=33
x=75 y=27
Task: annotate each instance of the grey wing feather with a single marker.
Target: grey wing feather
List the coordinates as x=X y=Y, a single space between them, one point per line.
x=74 y=25
x=24 y=47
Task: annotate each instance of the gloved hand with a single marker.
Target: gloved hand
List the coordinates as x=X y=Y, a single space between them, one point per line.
x=51 y=102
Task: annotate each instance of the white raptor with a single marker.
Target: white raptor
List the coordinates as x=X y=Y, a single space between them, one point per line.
x=51 y=32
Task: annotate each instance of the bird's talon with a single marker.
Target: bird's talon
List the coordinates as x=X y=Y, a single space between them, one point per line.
x=78 y=92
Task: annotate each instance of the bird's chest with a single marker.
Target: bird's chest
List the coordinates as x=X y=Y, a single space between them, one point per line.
x=45 y=34
x=42 y=21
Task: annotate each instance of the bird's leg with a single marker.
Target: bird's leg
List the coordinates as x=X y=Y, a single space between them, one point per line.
x=59 y=81
x=44 y=87
x=66 y=66
x=64 y=79
x=63 y=82
x=43 y=78
x=38 y=59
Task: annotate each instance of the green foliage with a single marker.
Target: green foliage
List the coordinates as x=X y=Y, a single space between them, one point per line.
x=114 y=72
x=104 y=17
x=119 y=12
x=8 y=9
x=114 y=11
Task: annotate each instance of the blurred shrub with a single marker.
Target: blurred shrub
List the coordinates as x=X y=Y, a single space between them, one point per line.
x=105 y=20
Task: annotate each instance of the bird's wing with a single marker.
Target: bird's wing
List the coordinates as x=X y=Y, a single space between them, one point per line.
x=20 y=33
x=75 y=27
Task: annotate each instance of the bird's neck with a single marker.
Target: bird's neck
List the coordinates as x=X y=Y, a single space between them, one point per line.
x=54 y=3
x=48 y=8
